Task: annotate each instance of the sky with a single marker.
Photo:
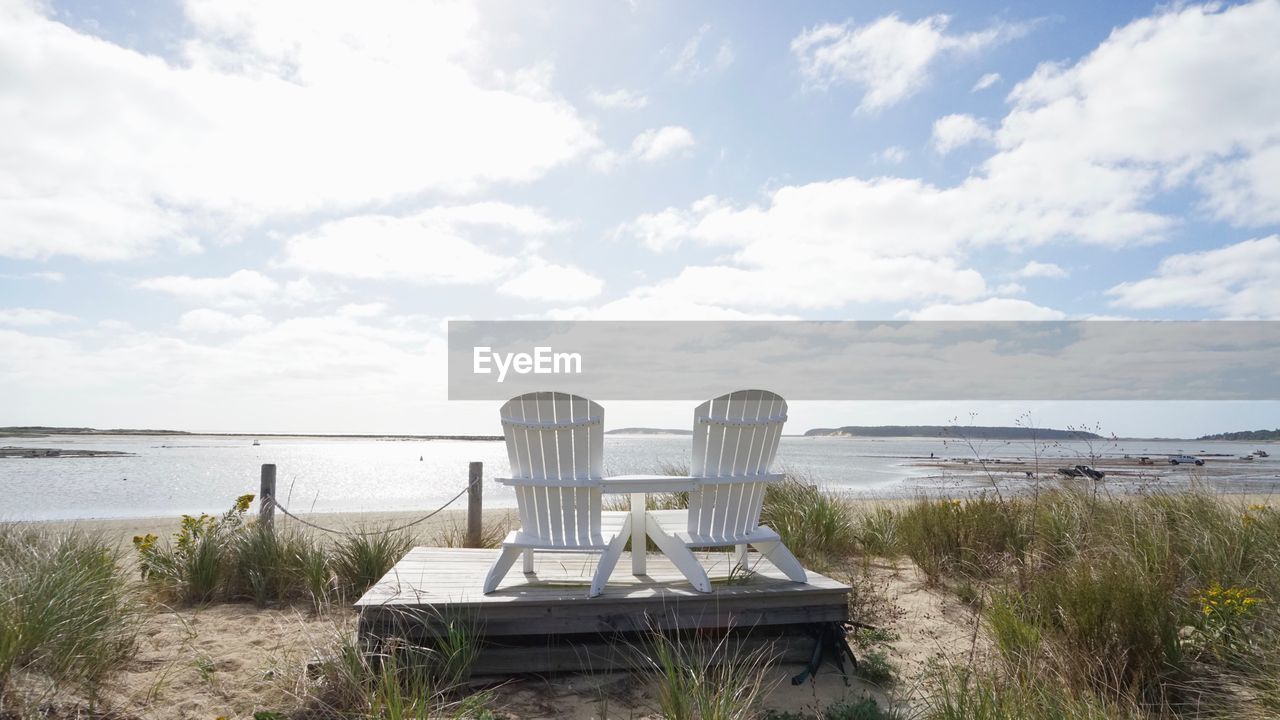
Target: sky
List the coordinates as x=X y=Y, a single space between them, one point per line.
x=237 y=215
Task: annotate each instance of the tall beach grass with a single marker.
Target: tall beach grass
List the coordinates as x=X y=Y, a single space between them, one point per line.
x=68 y=613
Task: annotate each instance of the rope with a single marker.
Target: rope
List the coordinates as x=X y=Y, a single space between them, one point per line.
x=360 y=533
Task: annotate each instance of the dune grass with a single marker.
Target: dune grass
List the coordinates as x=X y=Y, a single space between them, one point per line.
x=1142 y=606
x=359 y=561
x=703 y=679
x=67 y=611
x=1098 y=606
x=279 y=564
x=815 y=525
x=398 y=681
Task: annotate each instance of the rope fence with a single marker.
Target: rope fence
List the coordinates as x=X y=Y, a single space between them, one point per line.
x=269 y=504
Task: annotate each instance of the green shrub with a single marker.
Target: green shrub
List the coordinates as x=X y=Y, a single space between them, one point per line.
x=198 y=563
x=874 y=667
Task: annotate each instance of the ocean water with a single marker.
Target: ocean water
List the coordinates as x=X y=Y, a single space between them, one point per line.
x=171 y=475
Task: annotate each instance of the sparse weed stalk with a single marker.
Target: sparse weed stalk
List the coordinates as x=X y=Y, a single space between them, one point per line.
x=400 y=680
x=454 y=534
x=864 y=709
x=707 y=680
x=965 y=694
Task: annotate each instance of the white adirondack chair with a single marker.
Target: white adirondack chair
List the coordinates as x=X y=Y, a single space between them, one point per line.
x=555 y=442
x=735 y=438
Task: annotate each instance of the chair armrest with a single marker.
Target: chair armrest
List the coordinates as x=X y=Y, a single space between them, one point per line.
x=544 y=482
x=648 y=483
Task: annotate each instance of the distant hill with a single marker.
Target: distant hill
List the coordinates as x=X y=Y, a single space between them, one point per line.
x=1245 y=435
x=975 y=432
x=41 y=430
x=647 y=431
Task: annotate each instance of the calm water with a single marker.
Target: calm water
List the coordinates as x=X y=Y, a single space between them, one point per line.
x=174 y=475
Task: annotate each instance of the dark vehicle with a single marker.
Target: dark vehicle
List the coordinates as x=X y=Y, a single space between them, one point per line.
x=1082 y=471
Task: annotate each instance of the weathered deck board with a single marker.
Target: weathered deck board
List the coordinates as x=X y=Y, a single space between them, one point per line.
x=432 y=585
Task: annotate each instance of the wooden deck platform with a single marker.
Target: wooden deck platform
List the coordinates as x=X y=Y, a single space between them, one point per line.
x=545 y=621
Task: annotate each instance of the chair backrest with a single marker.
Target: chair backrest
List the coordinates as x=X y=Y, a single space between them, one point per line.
x=735 y=438
x=555 y=442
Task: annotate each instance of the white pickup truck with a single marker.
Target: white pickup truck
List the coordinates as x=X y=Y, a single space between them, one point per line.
x=1188 y=459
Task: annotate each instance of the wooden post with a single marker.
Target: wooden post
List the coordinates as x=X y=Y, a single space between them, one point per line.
x=475 y=486
x=267 y=497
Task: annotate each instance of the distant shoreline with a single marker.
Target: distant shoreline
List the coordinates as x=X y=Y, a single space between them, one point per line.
x=916 y=432
x=64 y=432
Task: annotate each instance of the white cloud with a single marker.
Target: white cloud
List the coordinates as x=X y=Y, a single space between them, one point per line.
x=548 y=282
x=1238 y=280
x=416 y=248
x=1080 y=157
x=363 y=310
x=55 y=277
x=953 y=131
x=32 y=317
x=606 y=160
x=986 y=81
x=989 y=309
x=1144 y=112
x=893 y=155
x=620 y=99
x=439 y=245
x=317 y=374
x=1243 y=191
x=1035 y=269
x=520 y=219
x=693 y=62
x=889 y=59
x=241 y=130
x=243 y=288
x=656 y=144
x=1011 y=288
x=207 y=321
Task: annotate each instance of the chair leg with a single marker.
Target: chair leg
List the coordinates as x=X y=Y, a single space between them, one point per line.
x=740 y=556
x=528 y=562
x=680 y=555
x=500 y=568
x=609 y=559
x=782 y=559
